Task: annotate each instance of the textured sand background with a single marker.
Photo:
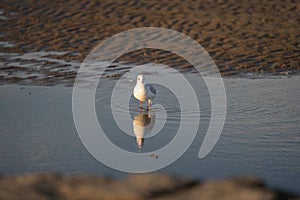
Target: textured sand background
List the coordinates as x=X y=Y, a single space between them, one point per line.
x=241 y=36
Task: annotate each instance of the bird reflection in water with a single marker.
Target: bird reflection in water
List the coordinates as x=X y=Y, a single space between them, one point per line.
x=143 y=123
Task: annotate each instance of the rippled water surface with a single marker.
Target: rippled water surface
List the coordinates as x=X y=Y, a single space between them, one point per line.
x=261 y=134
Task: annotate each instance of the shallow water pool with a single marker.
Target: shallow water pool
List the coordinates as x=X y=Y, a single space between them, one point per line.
x=260 y=137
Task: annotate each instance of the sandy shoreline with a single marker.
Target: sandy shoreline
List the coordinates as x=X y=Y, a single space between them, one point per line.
x=257 y=36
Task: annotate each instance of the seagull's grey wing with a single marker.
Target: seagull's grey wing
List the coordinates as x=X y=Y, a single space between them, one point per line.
x=152 y=89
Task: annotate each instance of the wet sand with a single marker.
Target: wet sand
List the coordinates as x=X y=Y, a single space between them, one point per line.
x=241 y=36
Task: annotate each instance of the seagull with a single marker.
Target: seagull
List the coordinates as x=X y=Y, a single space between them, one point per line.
x=144 y=92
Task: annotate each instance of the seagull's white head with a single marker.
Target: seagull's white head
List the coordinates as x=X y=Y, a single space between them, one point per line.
x=140 y=78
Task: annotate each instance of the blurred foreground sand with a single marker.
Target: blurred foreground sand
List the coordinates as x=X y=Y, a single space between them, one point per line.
x=146 y=186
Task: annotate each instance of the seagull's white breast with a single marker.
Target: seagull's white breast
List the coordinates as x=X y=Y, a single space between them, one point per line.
x=140 y=92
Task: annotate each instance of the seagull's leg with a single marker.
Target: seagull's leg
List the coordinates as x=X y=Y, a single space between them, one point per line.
x=149 y=104
x=141 y=104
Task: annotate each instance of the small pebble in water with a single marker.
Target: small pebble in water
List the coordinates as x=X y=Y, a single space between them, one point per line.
x=153 y=155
